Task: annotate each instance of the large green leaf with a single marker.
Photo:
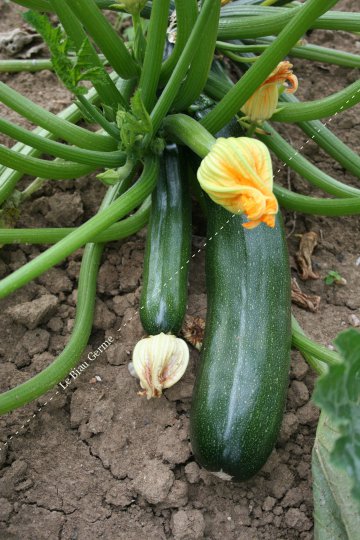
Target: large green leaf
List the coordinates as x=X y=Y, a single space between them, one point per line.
x=338 y=395
x=336 y=512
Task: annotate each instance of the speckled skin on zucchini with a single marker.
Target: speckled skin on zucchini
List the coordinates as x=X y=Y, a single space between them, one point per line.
x=165 y=278
x=241 y=387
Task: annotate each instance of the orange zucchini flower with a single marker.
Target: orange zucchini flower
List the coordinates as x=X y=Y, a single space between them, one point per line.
x=263 y=103
x=237 y=174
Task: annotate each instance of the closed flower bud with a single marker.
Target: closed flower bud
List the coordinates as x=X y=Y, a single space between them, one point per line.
x=263 y=103
x=237 y=174
x=159 y=362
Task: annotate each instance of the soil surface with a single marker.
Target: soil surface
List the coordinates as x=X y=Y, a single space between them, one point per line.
x=97 y=461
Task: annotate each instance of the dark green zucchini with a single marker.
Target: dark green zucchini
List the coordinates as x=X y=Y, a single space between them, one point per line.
x=240 y=390
x=164 y=292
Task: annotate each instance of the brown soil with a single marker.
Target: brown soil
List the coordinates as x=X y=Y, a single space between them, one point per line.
x=100 y=462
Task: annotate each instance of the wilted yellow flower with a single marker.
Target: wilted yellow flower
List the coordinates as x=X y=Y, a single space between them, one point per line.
x=237 y=174
x=262 y=104
x=223 y=2
x=159 y=362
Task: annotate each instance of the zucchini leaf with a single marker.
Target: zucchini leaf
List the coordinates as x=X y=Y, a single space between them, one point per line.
x=336 y=453
x=70 y=72
x=336 y=512
x=338 y=394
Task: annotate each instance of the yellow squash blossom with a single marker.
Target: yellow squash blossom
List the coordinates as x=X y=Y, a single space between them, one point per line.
x=237 y=174
x=263 y=103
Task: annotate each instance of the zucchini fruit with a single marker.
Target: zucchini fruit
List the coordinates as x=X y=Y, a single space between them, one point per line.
x=241 y=387
x=165 y=278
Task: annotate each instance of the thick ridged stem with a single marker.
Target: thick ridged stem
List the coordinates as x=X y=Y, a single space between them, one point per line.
x=71 y=153
x=8 y=177
x=54 y=124
x=55 y=254
x=68 y=359
x=167 y=97
x=319 y=108
x=201 y=64
x=320 y=367
x=313 y=205
x=124 y=228
x=302 y=166
x=186 y=14
x=303 y=343
x=156 y=37
x=53 y=170
x=240 y=22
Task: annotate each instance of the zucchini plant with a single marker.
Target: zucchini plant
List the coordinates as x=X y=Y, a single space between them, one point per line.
x=147 y=106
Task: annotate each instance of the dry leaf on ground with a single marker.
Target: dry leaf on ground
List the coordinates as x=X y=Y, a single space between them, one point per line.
x=308 y=243
x=305 y=301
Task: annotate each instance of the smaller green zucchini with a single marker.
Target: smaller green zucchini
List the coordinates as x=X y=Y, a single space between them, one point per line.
x=166 y=265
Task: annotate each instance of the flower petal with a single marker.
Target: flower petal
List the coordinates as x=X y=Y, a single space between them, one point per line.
x=159 y=362
x=237 y=174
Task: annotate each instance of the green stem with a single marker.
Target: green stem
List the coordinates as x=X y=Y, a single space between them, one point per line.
x=117 y=231
x=14 y=66
x=317 y=53
x=32 y=188
x=67 y=360
x=201 y=63
x=303 y=343
x=251 y=130
x=8 y=177
x=313 y=205
x=186 y=14
x=99 y=118
x=252 y=79
x=167 y=97
x=302 y=166
x=240 y=59
x=319 y=108
x=106 y=38
x=54 y=255
x=156 y=37
x=185 y=130
x=53 y=170
x=44 y=5
x=70 y=153
x=332 y=145
x=249 y=22
x=59 y=127
x=317 y=365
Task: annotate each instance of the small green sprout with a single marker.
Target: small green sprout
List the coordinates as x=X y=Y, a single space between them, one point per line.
x=333 y=277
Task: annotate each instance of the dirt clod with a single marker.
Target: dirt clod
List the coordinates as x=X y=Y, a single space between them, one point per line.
x=154 y=482
x=32 y=314
x=187 y=525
